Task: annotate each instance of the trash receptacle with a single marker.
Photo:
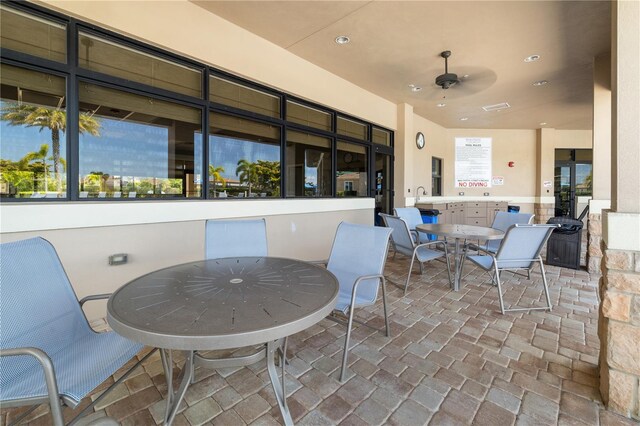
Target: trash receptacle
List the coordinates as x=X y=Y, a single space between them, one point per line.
x=565 y=243
x=513 y=209
x=430 y=216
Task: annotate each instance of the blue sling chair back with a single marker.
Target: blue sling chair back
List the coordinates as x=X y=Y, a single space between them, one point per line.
x=520 y=250
x=357 y=259
x=412 y=216
x=404 y=243
x=48 y=351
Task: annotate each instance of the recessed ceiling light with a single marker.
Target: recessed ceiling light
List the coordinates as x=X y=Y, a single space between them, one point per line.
x=416 y=88
x=464 y=118
x=466 y=76
x=532 y=58
x=540 y=82
x=343 y=39
x=441 y=105
x=543 y=123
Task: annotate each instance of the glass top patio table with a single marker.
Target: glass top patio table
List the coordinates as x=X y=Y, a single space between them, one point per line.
x=461 y=233
x=222 y=304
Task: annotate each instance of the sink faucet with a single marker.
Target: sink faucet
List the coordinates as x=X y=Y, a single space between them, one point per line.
x=424 y=192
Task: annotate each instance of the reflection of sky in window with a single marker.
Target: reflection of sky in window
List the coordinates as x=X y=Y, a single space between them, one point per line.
x=582 y=171
x=225 y=152
x=126 y=149
x=17 y=141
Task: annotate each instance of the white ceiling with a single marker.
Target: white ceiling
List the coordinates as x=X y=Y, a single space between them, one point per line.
x=398 y=43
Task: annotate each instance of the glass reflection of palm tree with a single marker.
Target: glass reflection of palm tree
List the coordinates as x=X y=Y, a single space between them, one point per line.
x=38 y=158
x=247 y=172
x=55 y=119
x=215 y=174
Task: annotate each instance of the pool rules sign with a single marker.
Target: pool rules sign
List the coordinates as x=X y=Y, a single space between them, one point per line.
x=473 y=163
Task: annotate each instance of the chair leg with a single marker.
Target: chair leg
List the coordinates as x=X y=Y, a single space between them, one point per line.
x=384 y=304
x=345 y=354
x=499 y=289
x=446 y=256
x=529 y=273
x=406 y=284
x=546 y=286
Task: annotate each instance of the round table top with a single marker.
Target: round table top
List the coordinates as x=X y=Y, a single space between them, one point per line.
x=471 y=232
x=222 y=303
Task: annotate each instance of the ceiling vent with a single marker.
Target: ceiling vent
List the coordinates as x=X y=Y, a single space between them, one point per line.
x=496 y=107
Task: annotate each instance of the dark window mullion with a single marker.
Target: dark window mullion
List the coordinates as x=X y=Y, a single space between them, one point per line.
x=140 y=88
x=205 y=135
x=73 y=111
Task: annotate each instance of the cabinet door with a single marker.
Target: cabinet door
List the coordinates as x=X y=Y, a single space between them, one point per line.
x=459 y=216
x=445 y=216
x=477 y=221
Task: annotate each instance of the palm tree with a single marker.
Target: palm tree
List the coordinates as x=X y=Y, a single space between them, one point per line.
x=215 y=174
x=247 y=172
x=55 y=119
x=40 y=157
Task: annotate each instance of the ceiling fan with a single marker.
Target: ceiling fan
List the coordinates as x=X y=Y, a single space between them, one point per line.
x=447 y=79
x=471 y=81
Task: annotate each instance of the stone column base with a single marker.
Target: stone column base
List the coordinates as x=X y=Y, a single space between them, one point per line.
x=594 y=252
x=619 y=331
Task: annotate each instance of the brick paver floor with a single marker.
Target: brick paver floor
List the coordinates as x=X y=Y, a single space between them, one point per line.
x=452 y=359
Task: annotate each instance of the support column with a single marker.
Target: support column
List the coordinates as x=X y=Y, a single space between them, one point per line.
x=601 y=177
x=403 y=166
x=619 y=322
x=545 y=156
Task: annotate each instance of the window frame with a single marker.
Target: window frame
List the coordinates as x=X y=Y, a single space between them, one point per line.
x=74 y=75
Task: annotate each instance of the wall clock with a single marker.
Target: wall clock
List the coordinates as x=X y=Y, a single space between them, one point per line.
x=420 y=140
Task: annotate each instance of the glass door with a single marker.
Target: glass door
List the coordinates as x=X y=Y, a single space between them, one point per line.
x=573 y=181
x=383 y=186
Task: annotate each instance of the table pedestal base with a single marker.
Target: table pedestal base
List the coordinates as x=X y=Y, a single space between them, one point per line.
x=193 y=359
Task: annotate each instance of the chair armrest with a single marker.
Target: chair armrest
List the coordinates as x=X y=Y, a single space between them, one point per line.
x=432 y=242
x=49 y=376
x=359 y=280
x=94 y=297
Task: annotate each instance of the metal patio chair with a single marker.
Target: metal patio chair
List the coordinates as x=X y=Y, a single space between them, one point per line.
x=229 y=238
x=357 y=259
x=48 y=351
x=502 y=222
x=412 y=216
x=520 y=249
x=404 y=243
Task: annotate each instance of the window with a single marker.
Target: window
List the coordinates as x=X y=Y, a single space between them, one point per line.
x=352 y=128
x=436 y=176
x=32 y=35
x=239 y=96
x=33 y=122
x=381 y=137
x=105 y=56
x=302 y=114
x=137 y=146
x=352 y=168
x=308 y=165
x=149 y=124
x=244 y=158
